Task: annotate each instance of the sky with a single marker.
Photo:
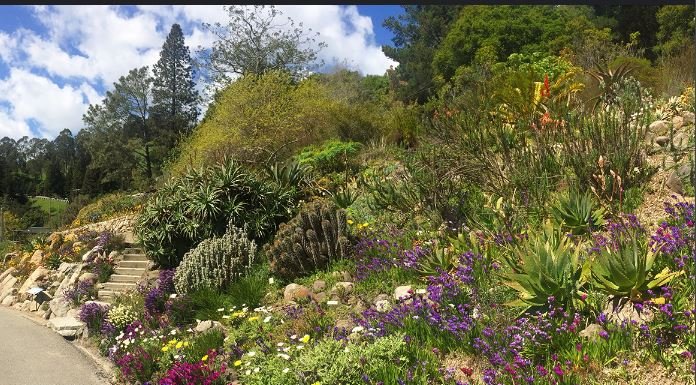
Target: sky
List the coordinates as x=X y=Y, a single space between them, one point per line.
x=57 y=60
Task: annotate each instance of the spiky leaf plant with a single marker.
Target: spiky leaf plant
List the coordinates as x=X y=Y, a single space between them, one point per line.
x=577 y=212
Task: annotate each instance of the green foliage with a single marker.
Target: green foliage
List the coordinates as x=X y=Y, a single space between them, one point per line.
x=310 y=241
x=627 y=270
x=107 y=207
x=260 y=119
x=577 y=213
x=676 y=28
x=216 y=262
x=331 y=156
x=345 y=197
x=545 y=265
x=287 y=175
x=439 y=259
x=200 y=205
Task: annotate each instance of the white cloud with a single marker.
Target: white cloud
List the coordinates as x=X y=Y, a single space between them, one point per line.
x=55 y=76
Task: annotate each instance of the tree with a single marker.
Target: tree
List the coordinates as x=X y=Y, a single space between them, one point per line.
x=174 y=97
x=417 y=33
x=676 y=28
x=254 y=42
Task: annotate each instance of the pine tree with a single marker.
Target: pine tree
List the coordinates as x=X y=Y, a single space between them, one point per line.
x=175 y=100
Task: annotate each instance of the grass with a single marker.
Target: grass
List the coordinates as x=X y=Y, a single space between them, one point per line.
x=50 y=206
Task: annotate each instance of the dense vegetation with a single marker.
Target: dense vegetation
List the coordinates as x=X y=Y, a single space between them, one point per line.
x=475 y=215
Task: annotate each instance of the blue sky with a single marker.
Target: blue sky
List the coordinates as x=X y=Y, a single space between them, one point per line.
x=56 y=60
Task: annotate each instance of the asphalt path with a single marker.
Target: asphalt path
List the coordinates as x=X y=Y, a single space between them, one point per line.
x=31 y=354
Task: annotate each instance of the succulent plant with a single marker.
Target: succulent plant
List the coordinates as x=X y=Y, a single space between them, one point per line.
x=309 y=241
x=577 y=213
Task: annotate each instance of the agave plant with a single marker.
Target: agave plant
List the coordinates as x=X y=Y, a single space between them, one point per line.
x=545 y=265
x=344 y=197
x=439 y=259
x=291 y=174
x=607 y=79
x=626 y=271
x=576 y=212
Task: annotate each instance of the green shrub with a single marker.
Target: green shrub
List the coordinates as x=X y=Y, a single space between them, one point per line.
x=545 y=265
x=216 y=262
x=107 y=207
x=310 y=241
x=332 y=156
x=577 y=213
x=200 y=204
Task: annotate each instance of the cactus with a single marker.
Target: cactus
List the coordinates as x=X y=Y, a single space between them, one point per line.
x=216 y=262
x=310 y=241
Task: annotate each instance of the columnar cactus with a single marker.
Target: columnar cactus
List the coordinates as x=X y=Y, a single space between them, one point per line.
x=310 y=241
x=216 y=262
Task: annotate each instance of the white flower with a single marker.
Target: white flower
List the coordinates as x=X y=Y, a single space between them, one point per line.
x=172 y=296
x=420 y=291
x=294 y=336
x=286 y=369
x=281 y=343
x=357 y=329
x=332 y=303
x=256 y=369
x=173 y=332
x=284 y=356
x=300 y=347
x=415 y=317
x=221 y=309
x=265 y=320
x=251 y=354
x=248 y=372
x=270 y=281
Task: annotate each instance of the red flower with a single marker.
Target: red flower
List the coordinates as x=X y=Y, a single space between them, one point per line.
x=546 y=91
x=468 y=371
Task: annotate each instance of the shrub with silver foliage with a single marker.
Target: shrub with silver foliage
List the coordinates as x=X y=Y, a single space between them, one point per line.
x=216 y=262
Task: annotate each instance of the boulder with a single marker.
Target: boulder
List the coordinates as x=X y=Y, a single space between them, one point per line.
x=37 y=257
x=37 y=275
x=7 y=287
x=345 y=323
x=681 y=141
x=381 y=297
x=204 y=326
x=343 y=287
x=403 y=292
x=621 y=309
x=675 y=184
x=55 y=240
x=659 y=127
x=688 y=117
x=319 y=286
x=87 y=276
x=662 y=140
x=6 y=273
x=9 y=300
x=60 y=306
x=677 y=122
x=293 y=292
x=68 y=327
x=91 y=254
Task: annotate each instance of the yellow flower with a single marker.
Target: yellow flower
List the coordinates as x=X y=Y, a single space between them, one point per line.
x=165 y=348
x=316 y=383
x=172 y=342
x=365 y=224
x=254 y=318
x=179 y=345
x=305 y=339
x=350 y=221
x=186 y=344
x=205 y=358
x=237 y=363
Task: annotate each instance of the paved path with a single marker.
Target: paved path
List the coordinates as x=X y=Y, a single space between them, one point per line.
x=31 y=354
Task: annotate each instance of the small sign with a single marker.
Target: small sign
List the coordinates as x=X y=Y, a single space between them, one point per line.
x=35 y=290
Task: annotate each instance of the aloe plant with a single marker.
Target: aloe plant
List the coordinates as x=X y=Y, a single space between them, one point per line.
x=545 y=265
x=577 y=213
x=627 y=270
x=439 y=259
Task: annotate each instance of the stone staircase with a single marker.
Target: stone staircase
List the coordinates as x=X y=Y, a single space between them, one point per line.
x=129 y=271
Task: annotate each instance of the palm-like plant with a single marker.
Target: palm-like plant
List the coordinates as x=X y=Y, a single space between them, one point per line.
x=546 y=265
x=608 y=79
x=627 y=270
x=577 y=213
x=287 y=175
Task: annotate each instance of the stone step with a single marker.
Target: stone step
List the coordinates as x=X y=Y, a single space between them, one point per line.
x=130 y=271
x=106 y=295
x=119 y=286
x=133 y=264
x=133 y=250
x=134 y=257
x=124 y=278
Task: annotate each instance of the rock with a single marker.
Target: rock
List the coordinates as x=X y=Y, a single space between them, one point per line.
x=22 y=306
x=320 y=297
x=345 y=323
x=87 y=276
x=381 y=297
x=681 y=141
x=621 y=309
x=55 y=240
x=343 y=274
x=662 y=140
x=59 y=306
x=677 y=122
x=343 y=287
x=293 y=292
x=9 y=300
x=7 y=287
x=37 y=275
x=688 y=117
x=383 y=306
x=47 y=314
x=9 y=256
x=91 y=254
x=68 y=327
x=359 y=307
x=203 y=326
x=403 y=292
x=675 y=184
x=37 y=257
x=591 y=332
x=5 y=274
x=318 y=286
x=684 y=171
x=659 y=127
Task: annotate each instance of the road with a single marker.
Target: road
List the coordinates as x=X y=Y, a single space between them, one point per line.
x=31 y=354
